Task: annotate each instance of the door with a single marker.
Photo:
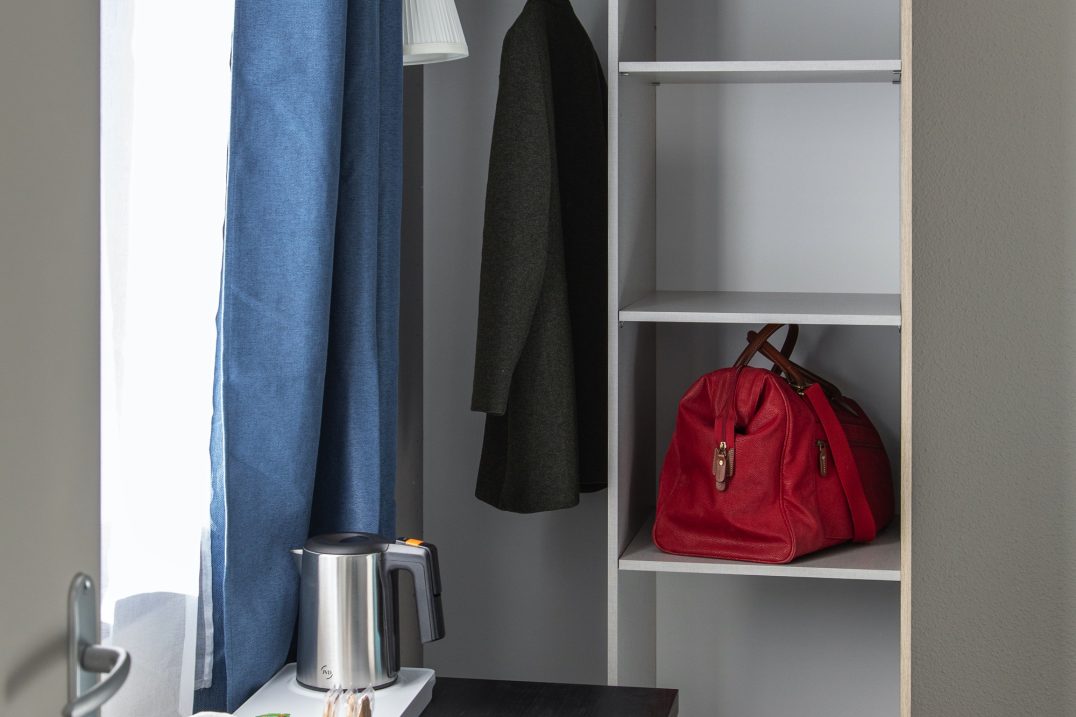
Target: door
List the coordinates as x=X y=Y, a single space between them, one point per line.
x=49 y=419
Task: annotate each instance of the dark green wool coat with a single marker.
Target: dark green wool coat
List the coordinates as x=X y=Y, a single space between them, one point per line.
x=540 y=364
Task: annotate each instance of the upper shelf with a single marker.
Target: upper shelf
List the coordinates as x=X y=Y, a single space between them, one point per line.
x=877 y=560
x=777 y=71
x=744 y=307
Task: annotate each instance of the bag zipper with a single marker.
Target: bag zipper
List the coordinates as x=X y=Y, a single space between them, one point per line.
x=823 y=453
x=724 y=464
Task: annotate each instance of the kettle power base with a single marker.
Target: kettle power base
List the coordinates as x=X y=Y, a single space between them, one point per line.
x=407 y=697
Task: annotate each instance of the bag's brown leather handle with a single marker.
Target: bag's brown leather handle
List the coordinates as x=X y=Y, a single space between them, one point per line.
x=789 y=344
x=770 y=352
x=800 y=377
x=755 y=342
x=792 y=370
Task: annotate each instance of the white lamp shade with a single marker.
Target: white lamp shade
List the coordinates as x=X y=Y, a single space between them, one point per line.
x=432 y=32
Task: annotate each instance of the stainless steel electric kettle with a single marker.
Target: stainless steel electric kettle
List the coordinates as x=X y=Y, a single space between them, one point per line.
x=347 y=607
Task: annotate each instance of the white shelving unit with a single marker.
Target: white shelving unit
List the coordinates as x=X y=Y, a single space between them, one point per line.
x=782 y=71
x=745 y=307
x=744 y=191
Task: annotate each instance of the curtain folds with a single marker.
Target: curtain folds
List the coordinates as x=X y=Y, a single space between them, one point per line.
x=304 y=429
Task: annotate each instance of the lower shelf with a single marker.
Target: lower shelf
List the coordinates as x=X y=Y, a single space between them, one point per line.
x=877 y=560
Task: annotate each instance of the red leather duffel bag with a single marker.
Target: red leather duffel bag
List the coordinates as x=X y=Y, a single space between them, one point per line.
x=768 y=465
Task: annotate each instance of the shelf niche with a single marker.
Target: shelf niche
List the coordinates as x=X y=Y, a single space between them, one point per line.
x=877 y=560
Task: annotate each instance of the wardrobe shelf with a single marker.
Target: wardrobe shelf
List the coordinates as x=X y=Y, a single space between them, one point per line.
x=776 y=71
x=878 y=560
x=743 y=307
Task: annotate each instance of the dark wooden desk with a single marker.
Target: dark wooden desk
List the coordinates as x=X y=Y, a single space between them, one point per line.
x=456 y=697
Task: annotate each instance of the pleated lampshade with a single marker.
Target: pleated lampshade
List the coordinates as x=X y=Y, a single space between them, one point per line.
x=432 y=32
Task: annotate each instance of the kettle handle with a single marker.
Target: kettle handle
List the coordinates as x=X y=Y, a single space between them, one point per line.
x=420 y=559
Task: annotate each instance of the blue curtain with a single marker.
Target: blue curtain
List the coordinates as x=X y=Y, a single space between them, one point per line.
x=304 y=429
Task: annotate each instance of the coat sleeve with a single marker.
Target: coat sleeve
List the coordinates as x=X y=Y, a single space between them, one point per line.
x=516 y=235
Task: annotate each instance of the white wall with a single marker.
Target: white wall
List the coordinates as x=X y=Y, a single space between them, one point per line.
x=994 y=358
x=524 y=594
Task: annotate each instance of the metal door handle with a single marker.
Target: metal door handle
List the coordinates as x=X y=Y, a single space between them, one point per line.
x=97 y=659
x=85 y=658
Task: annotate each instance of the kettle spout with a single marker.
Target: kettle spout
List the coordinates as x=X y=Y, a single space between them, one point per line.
x=297 y=555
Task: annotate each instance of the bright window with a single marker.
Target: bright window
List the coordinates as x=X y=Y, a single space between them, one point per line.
x=165 y=103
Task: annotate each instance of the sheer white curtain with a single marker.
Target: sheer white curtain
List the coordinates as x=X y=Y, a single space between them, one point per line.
x=165 y=103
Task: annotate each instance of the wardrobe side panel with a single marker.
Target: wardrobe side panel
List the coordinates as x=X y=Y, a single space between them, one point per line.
x=612 y=296
x=632 y=646
x=906 y=332
x=994 y=359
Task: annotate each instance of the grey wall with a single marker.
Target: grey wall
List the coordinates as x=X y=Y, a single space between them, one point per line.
x=524 y=594
x=49 y=457
x=994 y=358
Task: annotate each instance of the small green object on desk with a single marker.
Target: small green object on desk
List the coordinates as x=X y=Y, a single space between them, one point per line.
x=275 y=714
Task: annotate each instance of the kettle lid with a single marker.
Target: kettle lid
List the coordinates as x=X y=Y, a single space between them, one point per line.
x=348 y=543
